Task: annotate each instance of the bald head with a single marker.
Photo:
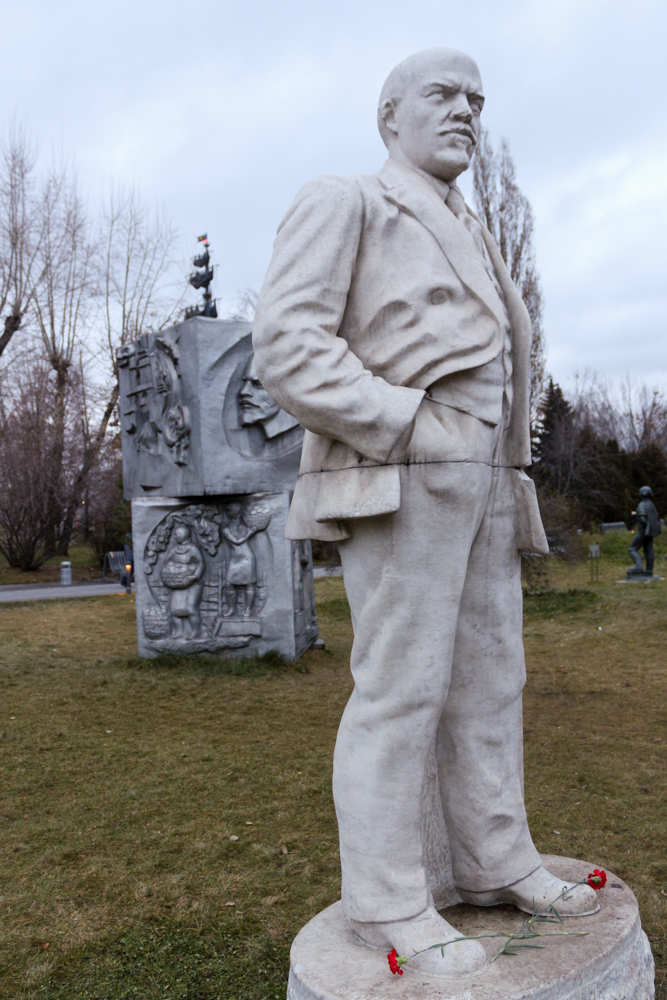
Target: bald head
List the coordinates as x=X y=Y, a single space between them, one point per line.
x=429 y=109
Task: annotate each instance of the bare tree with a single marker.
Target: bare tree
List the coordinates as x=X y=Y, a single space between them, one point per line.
x=137 y=261
x=30 y=479
x=245 y=305
x=596 y=404
x=62 y=310
x=631 y=413
x=508 y=215
x=81 y=289
x=63 y=297
x=20 y=232
x=107 y=517
x=135 y=295
x=643 y=416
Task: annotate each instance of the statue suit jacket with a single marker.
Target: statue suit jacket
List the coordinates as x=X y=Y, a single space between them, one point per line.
x=371 y=296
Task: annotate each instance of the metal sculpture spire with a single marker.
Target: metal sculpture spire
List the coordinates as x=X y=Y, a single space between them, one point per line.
x=202 y=279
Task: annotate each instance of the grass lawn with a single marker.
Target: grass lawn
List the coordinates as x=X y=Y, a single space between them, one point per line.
x=123 y=781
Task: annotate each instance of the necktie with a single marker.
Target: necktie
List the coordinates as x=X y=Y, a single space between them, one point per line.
x=457 y=206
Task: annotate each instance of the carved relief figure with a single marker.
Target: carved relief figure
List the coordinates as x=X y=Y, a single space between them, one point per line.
x=240 y=582
x=256 y=407
x=182 y=573
x=254 y=424
x=175 y=566
x=153 y=408
x=176 y=431
x=208 y=568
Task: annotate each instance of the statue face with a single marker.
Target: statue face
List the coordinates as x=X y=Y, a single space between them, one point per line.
x=436 y=120
x=255 y=404
x=181 y=533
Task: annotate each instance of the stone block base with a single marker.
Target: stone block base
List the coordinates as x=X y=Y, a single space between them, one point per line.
x=613 y=961
x=217 y=575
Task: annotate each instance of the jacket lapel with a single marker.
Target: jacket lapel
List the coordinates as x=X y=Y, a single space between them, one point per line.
x=518 y=314
x=522 y=335
x=414 y=195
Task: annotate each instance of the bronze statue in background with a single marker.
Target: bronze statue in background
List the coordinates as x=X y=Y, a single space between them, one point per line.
x=647 y=527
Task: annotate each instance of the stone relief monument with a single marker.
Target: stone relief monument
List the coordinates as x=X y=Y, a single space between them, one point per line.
x=155 y=415
x=647 y=527
x=196 y=420
x=389 y=327
x=209 y=462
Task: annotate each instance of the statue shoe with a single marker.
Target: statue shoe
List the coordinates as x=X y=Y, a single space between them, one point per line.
x=534 y=893
x=462 y=958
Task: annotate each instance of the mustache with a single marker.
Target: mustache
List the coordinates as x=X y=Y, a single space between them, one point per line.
x=468 y=133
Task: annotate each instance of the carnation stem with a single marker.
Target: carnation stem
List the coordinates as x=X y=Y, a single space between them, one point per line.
x=526 y=932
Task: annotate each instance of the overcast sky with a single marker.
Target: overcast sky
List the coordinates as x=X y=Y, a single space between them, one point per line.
x=221 y=111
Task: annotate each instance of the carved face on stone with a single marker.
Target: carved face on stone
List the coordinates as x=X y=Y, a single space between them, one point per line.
x=255 y=404
x=181 y=534
x=429 y=112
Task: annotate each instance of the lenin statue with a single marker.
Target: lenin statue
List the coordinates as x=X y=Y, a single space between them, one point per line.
x=389 y=326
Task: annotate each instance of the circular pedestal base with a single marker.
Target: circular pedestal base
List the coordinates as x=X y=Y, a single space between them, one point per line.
x=613 y=962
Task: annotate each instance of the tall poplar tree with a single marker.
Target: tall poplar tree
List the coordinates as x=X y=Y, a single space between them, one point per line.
x=508 y=215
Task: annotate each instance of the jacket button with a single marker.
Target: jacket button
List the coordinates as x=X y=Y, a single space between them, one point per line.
x=438 y=296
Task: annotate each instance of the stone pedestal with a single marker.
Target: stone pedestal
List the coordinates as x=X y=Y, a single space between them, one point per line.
x=210 y=462
x=613 y=961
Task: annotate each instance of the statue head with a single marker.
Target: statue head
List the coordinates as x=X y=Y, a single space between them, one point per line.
x=256 y=407
x=429 y=112
x=255 y=404
x=181 y=533
x=646 y=492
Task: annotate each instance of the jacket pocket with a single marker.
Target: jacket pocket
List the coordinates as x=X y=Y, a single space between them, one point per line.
x=366 y=491
x=530 y=530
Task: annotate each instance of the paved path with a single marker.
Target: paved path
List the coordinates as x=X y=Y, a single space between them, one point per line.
x=320 y=571
x=91 y=588
x=49 y=591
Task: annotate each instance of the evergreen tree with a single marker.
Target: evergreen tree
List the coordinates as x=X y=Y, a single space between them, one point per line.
x=553 y=440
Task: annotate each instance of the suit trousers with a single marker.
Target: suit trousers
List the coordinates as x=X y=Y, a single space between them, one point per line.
x=435 y=595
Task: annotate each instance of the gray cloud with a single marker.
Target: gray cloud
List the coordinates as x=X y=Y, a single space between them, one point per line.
x=221 y=113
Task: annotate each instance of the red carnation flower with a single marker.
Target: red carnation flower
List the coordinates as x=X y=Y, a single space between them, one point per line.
x=598 y=879
x=394 y=964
